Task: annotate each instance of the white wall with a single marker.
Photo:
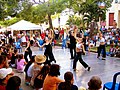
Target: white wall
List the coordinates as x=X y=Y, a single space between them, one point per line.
x=113 y=9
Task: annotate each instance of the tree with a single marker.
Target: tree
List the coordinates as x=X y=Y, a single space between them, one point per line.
x=8 y=8
x=91 y=11
x=46 y=9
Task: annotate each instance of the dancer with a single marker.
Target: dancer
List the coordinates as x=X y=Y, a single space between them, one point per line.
x=48 y=48
x=28 y=51
x=79 y=50
x=72 y=44
x=101 y=47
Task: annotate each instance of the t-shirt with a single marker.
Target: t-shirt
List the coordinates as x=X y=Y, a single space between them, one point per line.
x=29 y=71
x=20 y=64
x=62 y=86
x=51 y=83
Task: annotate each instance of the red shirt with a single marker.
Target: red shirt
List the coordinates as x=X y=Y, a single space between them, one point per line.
x=42 y=35
x=2 y=87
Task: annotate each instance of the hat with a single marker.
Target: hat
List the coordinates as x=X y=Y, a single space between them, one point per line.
x=4 y=72
x=40 y=58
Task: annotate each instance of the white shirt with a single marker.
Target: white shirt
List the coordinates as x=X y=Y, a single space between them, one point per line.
x=23 y=39
x=102 y=40
x=29 y=71
x=78 y=45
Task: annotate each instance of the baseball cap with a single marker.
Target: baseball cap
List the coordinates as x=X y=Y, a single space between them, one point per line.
x=4 y=72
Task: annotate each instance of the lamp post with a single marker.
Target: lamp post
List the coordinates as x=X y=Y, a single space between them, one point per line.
x=101 y=6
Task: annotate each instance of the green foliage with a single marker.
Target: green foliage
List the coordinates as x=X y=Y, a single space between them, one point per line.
x=8 y=8
x=90 y=9
x=9 y=22
x=74 y=20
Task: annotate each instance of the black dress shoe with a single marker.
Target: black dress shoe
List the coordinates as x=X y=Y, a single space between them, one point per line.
x=71 y=58
x=103 y=59
x=88 y=69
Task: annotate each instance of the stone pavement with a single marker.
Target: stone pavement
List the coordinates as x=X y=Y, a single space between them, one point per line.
x=105 y=69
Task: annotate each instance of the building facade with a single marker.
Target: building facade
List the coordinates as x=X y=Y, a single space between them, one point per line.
x=113 y=14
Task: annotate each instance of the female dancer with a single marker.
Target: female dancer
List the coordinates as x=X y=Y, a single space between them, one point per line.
x=28 y=50
x=79 y=50
x=48 y=48
x=102 y=47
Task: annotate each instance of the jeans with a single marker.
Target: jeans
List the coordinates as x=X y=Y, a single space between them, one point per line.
x=63 y=43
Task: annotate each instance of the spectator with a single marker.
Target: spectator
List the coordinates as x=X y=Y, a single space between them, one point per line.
x=3 y=62
x=36 y=68
x=5 y=74
x=94 y=83
x=117 y=51
x=51 y=81
x=27 y=75
x=13 y=83
x=39 y=79
x=20 y=63
x=68 y=84
x=14 y=58
x=112 y=50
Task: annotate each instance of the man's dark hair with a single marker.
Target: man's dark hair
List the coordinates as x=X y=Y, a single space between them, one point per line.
x=54 y=70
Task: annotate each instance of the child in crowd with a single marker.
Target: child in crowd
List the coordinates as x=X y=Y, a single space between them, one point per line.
x=20 y=63
x=112 y=50
x=95 y=83
x=14 y=58
x=27 y=70
x=68 y=84
x=117 y=51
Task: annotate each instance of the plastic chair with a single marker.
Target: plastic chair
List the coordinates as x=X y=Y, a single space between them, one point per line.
x=112 y=85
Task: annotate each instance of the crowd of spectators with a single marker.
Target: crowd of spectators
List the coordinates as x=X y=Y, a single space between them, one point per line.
x=39 y=75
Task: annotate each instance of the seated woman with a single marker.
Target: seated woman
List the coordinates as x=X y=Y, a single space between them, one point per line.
x=68 y=84
x=39 y=79
x=95 y=83
x=52 y=80
x=112 y=50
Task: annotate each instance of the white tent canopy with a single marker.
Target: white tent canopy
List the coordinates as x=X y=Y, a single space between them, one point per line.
x=24 y=25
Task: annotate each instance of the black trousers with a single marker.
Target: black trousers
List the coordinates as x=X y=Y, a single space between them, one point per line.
x=29 y=52
x=50 y=56
x=79 y=57
x=100 y=48
x=72 y=50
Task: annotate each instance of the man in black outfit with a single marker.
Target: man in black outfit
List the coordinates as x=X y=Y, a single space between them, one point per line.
x=72 y=45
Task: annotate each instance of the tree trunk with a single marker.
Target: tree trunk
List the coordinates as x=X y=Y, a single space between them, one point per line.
x=50 y=21
x=93 y=27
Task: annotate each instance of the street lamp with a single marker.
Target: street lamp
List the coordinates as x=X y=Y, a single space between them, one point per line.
x=101 y=5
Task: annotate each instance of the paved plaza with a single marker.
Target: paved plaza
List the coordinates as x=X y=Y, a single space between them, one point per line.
x=105 y=69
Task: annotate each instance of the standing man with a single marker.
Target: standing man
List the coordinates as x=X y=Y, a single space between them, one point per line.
x=72 y=44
